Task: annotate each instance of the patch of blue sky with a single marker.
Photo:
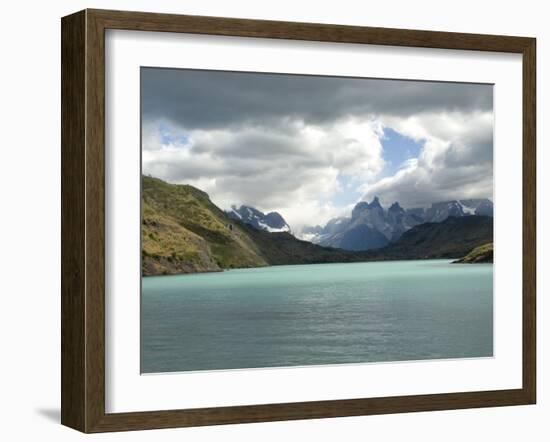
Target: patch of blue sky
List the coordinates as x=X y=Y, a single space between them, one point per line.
x=398 y=150
x=169 y=137
x=349 y=192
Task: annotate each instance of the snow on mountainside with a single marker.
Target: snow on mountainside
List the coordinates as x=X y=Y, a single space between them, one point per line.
x=371 y=226
x=271 y=222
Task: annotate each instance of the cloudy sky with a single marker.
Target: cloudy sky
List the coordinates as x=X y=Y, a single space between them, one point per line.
x=310 y=147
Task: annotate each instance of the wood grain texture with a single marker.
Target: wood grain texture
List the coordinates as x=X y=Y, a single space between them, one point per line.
x=95 y=222
x=145 y=21
x=83 y=220
x=73 y=129
x=529 y=220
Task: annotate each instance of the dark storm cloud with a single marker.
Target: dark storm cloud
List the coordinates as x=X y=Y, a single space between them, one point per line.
x=478 y=151
x=300 y=144
x=199 y=99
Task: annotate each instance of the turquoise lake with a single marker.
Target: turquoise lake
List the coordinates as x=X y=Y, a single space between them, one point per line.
x=317 y=314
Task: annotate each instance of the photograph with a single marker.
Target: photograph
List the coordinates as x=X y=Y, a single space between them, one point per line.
x=304 y=220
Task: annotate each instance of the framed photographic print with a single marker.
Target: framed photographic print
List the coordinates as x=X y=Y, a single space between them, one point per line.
x=268 y=220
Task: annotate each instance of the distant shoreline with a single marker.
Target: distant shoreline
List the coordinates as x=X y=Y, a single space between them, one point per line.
x=451 y=261
x=184 y=232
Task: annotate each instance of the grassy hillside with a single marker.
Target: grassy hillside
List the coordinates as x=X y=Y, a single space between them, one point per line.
x=183 y=231
x=283 y=248
x=452 y=238
x=168 y=247
x=481 y=254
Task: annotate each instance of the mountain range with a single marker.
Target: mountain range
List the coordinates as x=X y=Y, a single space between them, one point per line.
x=271 y=222
x=183 y=231
x=371 y=226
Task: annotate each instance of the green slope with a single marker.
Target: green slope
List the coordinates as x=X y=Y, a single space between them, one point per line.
x=183 y=232
x=452 y=238
x=481 y=254
x=283 y=248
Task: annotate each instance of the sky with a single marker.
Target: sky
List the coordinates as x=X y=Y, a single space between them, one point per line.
x=311 y=147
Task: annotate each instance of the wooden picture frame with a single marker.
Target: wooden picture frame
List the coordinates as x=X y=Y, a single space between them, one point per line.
x=83 y=220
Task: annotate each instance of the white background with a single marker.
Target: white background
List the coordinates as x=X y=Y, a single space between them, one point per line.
x=30 y=219
x=128 y=391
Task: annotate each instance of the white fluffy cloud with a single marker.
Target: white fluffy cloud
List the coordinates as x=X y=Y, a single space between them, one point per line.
x=311 y=146
x=455 y=162
x=295 y=171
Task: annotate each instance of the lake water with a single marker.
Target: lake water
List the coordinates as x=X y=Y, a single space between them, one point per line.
x=317 y=314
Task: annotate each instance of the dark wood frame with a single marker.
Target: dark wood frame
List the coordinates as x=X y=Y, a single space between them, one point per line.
x=83 y=216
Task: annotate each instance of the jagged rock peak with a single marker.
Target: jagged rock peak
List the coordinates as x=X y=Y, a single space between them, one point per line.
x=360 y=207
x=375 y=203
x=272 y=222
x=395 y=207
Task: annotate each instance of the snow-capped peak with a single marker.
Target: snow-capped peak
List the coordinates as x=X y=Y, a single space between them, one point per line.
x=271 y=222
